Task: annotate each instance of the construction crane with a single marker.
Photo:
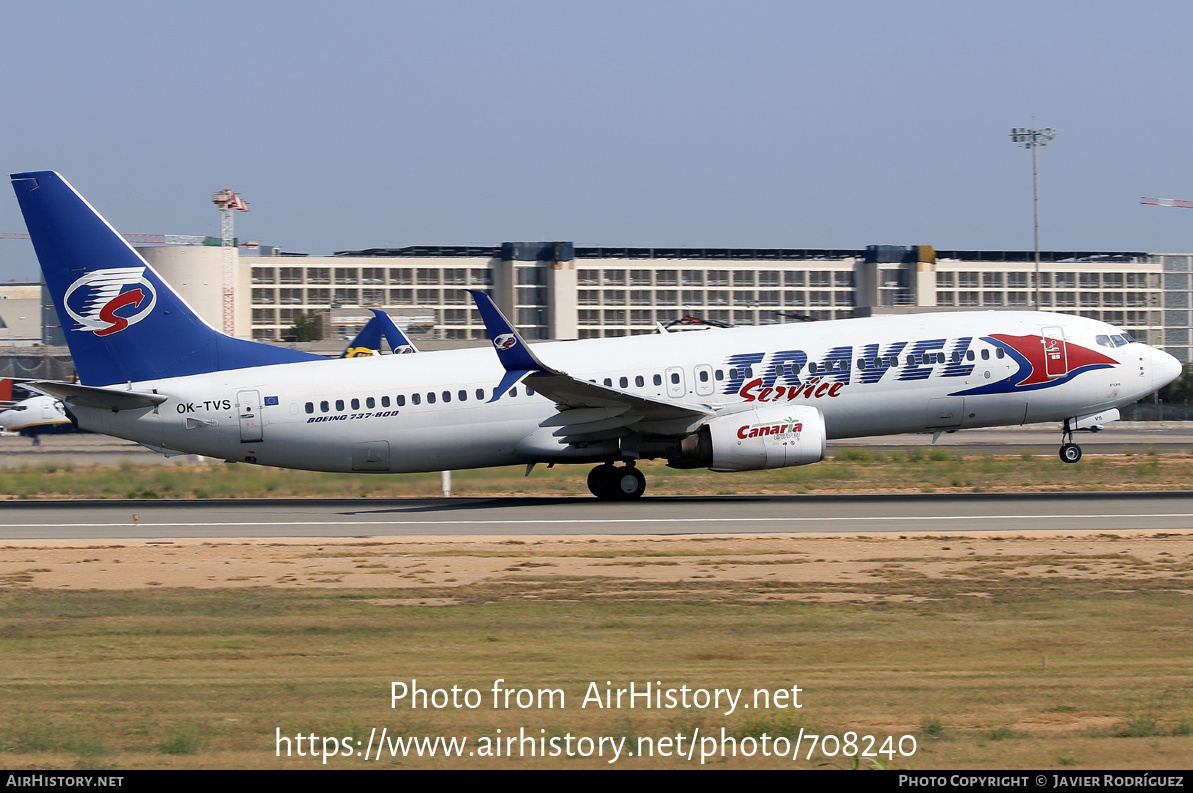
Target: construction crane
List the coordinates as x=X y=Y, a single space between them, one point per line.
x=133 y=239
x=228 y=201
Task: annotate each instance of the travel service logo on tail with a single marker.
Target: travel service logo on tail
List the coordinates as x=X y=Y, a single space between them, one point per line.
x=94 y=300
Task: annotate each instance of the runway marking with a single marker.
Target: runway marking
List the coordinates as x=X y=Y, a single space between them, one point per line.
x=784 y=519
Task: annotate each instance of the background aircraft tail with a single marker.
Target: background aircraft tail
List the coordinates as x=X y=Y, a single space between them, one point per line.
x=368 y=341
x=121 y=320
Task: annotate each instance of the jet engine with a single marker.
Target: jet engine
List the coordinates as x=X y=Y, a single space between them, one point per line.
x=769 y=437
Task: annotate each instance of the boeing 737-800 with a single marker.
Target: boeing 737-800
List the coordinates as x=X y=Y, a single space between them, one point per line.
x=735 y=399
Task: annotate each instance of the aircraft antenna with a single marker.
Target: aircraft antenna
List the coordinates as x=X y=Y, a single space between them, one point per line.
x=227 y=201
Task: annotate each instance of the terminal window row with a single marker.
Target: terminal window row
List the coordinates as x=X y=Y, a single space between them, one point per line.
x=363 y=276
x=360 y=297
x=1048 y=280
x=738 y=278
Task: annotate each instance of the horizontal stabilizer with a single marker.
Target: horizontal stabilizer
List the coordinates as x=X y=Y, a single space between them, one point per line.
x=111 y=399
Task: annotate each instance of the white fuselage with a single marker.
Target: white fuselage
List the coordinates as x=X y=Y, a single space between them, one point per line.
x=362 y=414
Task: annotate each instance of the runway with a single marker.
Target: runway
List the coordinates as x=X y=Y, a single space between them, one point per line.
x=670 y=516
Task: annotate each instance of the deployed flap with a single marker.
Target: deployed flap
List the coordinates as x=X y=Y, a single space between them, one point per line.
x=102 y=398
x=566 y=391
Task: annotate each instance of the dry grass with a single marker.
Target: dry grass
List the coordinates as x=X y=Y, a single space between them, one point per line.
x=848 y=470
x=943 y=638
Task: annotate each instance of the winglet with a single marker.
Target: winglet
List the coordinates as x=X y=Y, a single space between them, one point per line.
x=512 y=351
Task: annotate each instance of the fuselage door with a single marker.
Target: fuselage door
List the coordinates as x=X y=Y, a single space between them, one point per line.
x=248 y=408
x=675 y=382
x=1056 y=356
x=704 y=381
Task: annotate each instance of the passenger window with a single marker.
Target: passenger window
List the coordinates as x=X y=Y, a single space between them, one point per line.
x=529 y=391
x=463 y=395
x=911 y=360
x=704 y=375
x=513 y=392
x=812 y=368
x=324 y=407
x=894 y=361
x=401 y=400
x=310 y=407
x=384 y=401
x=608 y=382
x=480 y=394
x=658 y=379
x=624 y=382
x=985 y=355
x=956 y=357
x=999 y=353
x=370 y=403
x=969 y=356
x=861 y=364
x=732 y=374
x=447 y=396
x=416 y=399
x=356 y=404
x=675 y=378
x=339 y=404
x=639 y=381
x=749 y=371
x=430 y=397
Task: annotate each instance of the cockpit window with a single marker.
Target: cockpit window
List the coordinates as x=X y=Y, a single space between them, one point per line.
x=1104 y=341
x=1130 y=339
x=1119 y=341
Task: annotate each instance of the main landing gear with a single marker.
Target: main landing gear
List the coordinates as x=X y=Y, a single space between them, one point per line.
x=1069 y=451
x=616 y=483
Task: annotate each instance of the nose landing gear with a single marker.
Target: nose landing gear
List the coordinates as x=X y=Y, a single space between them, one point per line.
x=1069 y=451
x=616 y=483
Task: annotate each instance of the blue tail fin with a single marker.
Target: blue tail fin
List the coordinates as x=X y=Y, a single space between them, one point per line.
x=121 y=320
x=368 y=341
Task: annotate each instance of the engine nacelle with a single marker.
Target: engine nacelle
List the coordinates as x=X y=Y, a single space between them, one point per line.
x=770 y=437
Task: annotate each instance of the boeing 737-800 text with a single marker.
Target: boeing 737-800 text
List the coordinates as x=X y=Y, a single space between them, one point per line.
x=733 y=399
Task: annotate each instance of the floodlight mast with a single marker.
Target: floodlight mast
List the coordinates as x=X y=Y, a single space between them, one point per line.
x=1035 y=139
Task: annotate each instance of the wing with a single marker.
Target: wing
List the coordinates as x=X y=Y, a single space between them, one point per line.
x=588 y=411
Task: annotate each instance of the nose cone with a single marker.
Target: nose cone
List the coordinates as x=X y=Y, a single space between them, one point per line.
x=1165 y=368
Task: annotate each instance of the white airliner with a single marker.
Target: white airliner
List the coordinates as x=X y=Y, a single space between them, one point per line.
x=36 y=416
x=734 y=399
x=44 y=415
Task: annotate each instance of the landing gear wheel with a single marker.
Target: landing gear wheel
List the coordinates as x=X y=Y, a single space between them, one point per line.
x=600 y=481
x=610 y=483
x=1070 y=453
x=629 y=483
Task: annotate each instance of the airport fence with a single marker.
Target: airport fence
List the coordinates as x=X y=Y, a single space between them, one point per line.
x=1163 y=411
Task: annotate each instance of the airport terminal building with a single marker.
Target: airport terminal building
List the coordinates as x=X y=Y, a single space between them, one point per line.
x=556 y=290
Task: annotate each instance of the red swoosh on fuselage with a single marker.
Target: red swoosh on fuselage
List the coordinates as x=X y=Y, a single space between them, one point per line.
x=1032 y=348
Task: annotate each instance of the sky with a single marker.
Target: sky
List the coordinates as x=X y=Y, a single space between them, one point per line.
x=643 y=123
